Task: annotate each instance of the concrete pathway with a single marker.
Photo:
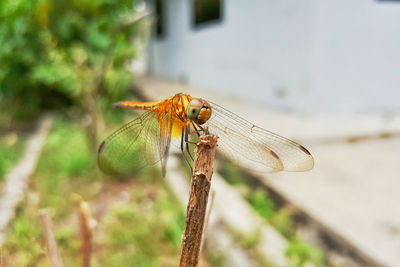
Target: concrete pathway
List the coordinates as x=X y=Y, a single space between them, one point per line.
x=355 y=186
x=17 y=180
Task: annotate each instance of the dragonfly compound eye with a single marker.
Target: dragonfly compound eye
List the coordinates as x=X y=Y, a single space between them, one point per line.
x=198 y=110
x=204 y=114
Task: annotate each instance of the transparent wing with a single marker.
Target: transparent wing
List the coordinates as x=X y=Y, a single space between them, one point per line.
x=254 y=147
x=137 y=144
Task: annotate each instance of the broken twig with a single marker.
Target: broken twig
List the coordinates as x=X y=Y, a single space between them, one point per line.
x=86 y=224
x=45 y=221
x=197 y=205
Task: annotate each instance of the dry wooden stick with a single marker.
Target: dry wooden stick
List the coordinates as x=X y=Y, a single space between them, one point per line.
x=197 y=205
x=86 y=223
x=45 y=221
x=207 y=219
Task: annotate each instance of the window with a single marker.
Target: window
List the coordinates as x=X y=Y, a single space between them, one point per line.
x=207 y=11
x=160 y=18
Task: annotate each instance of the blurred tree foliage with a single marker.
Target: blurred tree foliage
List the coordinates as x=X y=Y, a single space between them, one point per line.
x=62 y=53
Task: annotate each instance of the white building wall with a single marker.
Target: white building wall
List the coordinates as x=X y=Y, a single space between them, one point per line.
x=341 y=55
x=356 y=55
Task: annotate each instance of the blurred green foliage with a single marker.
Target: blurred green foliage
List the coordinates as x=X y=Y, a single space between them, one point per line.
x=64 y=165
x=140 y=221
x=249 y=242
x=62 y=53
x=11 y=147
x=146 y=232
x=261 y=203
x=300 y=253
x=57 y=54
x=22 y=248
x=231 y=173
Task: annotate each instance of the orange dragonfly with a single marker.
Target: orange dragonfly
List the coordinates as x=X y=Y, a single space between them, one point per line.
x=147 y=139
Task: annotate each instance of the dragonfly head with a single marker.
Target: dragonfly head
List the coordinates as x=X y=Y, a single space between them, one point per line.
x=198 y=110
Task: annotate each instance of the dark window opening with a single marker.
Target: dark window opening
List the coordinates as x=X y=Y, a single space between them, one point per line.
x=207 y=11
x=160 y=18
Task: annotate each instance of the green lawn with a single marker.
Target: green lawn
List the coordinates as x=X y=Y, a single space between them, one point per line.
x=11 y=149
x=140 y=222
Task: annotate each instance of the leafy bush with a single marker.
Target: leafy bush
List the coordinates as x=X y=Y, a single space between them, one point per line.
x=66 y=53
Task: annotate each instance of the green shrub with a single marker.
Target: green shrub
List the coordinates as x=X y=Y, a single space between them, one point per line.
x=66 y=53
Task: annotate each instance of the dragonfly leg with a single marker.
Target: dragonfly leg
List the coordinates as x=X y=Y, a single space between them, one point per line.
x=187 y=142
x=204 y=130
x=187 y=136
x=195 y=128
x=184 y=134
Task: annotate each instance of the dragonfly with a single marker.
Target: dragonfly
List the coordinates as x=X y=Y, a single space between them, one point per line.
x=147 y=139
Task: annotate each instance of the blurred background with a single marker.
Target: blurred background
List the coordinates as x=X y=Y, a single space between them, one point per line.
x=323 y=73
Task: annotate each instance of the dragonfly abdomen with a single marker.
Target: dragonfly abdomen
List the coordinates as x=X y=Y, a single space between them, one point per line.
x=137 y=105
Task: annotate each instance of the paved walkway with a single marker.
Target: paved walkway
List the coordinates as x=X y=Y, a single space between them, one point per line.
x=355 y=186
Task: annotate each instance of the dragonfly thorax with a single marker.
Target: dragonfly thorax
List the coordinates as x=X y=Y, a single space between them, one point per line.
x=198 y=110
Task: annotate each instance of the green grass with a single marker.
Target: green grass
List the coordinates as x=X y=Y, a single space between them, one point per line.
x=249 y=243
x=231 y=173
x=261 y=203
x=141 y=222
x=298 y=252
x=66 y=165
x=11 y=150
x=144 y=232
x=22 y=247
